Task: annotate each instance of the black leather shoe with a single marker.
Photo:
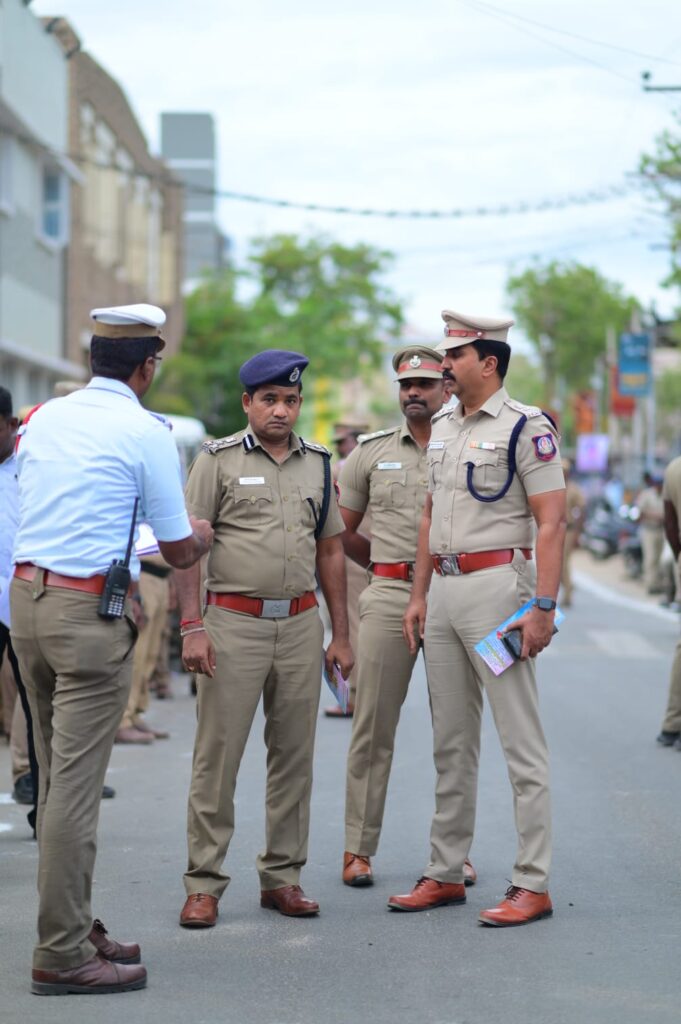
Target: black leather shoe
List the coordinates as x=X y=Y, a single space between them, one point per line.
x=108 y=792
x=23 y=790
x=668 y=739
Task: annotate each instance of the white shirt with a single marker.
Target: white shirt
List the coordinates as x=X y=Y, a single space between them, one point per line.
x=81 y=463
x=9 y=520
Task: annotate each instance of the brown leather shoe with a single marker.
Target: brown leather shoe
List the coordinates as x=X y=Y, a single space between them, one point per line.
x=129 y=734
x=199 y=911
x=93 y=977
x=337 y=711
x=117 y=952
x=357 y=870
x=520 y=906
x=470 y=875
x=289 y=900
x=427 y=894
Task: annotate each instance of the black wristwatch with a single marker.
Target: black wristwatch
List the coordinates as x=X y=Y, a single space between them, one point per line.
x=545 y=604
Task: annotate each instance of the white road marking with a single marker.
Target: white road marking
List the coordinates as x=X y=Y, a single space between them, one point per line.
x=585 y=582
x=6 y=798
x=620 y=643
x=5 y=826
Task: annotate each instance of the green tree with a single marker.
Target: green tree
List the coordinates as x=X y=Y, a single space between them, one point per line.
x=668 y=401
x=313 y=295
x=661 y=173
x=565 y=309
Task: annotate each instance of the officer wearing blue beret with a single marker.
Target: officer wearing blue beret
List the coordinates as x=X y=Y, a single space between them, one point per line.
x=268 y=495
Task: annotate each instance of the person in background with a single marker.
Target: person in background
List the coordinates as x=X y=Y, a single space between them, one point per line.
x=651 y=508
x=670 y=734
x=576 y=507
x=345 y=437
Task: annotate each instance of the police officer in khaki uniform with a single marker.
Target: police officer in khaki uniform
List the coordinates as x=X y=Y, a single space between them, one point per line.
x=651 y=530
x=494 y=475
x=670 y=734
x=575 y=502
x=386 y=474
x=270 y=498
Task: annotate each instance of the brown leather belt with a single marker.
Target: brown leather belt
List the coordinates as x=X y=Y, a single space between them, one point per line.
x=457 y=565
x=393 y=570
x=87 y=585
x=263 y=608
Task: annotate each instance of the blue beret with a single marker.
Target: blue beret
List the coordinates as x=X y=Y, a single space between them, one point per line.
x=273 y=366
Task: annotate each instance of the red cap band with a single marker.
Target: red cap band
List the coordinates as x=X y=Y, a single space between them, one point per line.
x=414 y=370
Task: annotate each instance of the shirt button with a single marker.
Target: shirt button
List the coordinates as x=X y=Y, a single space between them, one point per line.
x=285 y=497
x=288 y=529
x=253 y=500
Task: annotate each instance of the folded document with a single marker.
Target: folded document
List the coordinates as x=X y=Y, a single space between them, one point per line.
x=492 y=650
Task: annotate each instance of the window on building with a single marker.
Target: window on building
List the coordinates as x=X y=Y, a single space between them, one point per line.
x=54 y=206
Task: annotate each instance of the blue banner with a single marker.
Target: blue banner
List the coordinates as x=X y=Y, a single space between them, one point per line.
x=633 y=365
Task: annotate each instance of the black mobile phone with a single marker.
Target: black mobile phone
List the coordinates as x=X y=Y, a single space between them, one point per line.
x=112 y=601
x=513 y=642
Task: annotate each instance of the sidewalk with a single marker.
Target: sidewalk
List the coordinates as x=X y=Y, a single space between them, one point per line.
x=610 y=574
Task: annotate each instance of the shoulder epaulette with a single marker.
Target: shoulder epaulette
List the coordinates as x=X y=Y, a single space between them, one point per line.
x=363 y=438
x=213 y=447
x=441 y=414
x=527 y=410
x=315 y=447
x=161 y=419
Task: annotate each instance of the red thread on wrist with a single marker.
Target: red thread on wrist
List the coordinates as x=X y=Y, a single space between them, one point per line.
x=189 y=622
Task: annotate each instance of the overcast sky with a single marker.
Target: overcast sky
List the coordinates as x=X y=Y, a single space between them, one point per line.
x=448 y=103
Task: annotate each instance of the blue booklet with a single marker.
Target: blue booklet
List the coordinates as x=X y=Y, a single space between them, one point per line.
x=491 y=649
x=339 y=687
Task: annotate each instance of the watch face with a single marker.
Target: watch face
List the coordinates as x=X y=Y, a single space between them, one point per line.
x=545 y=604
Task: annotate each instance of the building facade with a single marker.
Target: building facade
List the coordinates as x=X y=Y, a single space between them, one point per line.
x=35 y=180
x=188 y=147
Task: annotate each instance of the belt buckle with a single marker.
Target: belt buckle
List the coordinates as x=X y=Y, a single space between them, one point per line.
x=450 y=565
x=275 y=609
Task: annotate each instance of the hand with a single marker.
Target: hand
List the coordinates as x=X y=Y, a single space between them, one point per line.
x=203 y=530
x=414 y=623
x=340 y=653
x=139 y=615
x=198 y=654
x=537 y=630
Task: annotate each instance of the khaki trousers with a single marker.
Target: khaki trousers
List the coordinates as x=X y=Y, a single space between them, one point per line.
x=155 y=595
x=357 y=582
x=566 y=570
x=461 y=611
x=385 y=668
x=672 y=718
x=76 y=669
x=280 y=659
x=652 y=545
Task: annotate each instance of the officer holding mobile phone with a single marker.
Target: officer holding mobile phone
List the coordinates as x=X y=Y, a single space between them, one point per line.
x=496 y=501
x=88 y=465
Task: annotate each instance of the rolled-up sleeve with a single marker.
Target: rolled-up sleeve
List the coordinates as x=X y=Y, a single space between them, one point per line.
x=160 y=486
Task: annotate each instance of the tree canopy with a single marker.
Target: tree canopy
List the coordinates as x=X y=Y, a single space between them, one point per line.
x=315 y=296
x=565 y=310
x=661 y=171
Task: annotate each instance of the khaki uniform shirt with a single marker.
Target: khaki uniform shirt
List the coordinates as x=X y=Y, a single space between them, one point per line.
x=671 y=488
x=388 y=472
x=262 y=514
x=651 y=507
x=460 y=522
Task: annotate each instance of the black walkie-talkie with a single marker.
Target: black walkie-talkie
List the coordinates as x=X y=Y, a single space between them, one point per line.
x=112 y=601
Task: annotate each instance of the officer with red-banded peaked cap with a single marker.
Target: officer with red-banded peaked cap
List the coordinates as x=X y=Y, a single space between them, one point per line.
x=462 y=329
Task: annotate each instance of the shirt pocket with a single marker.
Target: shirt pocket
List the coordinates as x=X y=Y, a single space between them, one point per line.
x=389 y=488
x=252 y=501
x=436 y=458
x=310 y=501
x=487 y=471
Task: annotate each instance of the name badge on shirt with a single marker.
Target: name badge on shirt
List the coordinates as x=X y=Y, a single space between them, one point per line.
x=389 y=465
x=435 y=445
x=251 y=479
x=486 y=446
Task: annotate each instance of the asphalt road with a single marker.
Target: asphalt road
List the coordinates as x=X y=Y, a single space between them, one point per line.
x=609 y=954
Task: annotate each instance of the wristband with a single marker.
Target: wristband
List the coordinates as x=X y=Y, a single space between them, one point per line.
x=194 y=629
x=190 y=622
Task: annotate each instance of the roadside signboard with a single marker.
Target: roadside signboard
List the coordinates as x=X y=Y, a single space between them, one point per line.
x=633 y=365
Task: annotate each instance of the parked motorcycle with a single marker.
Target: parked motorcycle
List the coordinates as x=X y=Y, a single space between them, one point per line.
x=605 y=528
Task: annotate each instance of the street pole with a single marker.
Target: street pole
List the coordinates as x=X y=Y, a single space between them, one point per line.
x=646 y=76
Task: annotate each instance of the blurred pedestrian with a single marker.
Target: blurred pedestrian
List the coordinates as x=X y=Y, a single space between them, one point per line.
x=496 y=488
x=85 y=463
x=575 y=502
x=345 y=436
x=670 y=734
x=270 y=498
x=651 y=508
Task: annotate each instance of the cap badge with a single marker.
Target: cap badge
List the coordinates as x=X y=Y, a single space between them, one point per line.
x=415 y=361
x=294 y=375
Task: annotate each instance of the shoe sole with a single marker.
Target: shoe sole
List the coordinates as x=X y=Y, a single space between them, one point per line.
x=130 y=960
x=359 y=881
x=285 y=913
x=43 y=988
x=198 y=924
x=433 y=906
x=515 y=924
